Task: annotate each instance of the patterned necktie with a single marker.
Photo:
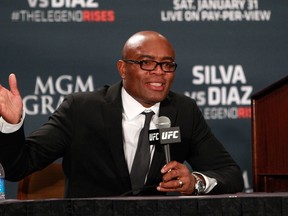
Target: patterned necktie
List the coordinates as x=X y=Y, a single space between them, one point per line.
x=141 y=161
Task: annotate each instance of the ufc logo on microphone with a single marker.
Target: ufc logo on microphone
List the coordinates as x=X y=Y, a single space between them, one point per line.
x=170 y=135
x=164 y=136
x=153 y=136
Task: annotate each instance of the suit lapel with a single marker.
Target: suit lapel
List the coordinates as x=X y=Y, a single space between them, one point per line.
x=113 y=120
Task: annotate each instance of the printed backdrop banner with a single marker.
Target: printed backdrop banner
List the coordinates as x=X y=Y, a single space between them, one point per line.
x=226 y=50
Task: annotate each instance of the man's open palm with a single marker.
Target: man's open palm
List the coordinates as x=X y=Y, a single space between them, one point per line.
x=11 y=104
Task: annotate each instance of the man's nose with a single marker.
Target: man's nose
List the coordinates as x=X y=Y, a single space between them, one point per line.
x=158 y=70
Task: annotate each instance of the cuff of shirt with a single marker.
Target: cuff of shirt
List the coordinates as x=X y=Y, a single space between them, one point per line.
x=7 y=128
x=210 y=182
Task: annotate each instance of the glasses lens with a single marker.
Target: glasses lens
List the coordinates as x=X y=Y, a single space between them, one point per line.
x=168 y=66
x=148 y=65
x=151 y=65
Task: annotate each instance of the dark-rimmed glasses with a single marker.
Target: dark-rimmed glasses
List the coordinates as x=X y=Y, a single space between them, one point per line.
x=150 y=65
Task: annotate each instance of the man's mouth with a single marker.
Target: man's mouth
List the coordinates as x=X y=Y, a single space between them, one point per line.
x=156 y=84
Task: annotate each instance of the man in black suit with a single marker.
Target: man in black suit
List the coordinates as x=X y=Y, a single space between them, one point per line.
x=96 y=133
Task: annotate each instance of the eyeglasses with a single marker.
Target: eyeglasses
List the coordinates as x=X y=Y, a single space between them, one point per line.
x=150 y=65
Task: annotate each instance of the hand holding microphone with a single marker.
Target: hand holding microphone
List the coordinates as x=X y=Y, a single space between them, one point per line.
x=176 y=176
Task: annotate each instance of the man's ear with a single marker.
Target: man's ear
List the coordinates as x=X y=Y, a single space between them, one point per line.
x=121 y=68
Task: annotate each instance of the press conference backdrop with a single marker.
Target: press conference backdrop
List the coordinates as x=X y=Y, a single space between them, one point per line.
x=226 y=51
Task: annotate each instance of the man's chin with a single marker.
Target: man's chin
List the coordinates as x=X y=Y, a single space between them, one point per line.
x=154 y=100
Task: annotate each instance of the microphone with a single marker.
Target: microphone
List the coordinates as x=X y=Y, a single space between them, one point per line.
x=164 y=135
x=164 y=122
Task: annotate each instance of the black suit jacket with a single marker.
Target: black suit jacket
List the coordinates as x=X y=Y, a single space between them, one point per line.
x=86 y=130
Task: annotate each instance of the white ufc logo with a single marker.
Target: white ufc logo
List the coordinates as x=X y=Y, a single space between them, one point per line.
x=169 y=135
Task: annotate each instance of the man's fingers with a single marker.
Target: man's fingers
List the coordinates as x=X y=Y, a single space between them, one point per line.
x=168 y=167
x=13 y=84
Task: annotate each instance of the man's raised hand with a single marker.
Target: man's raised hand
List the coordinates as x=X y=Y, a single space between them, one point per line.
x=11 y=104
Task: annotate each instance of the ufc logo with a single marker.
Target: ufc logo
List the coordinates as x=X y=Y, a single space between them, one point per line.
x=170 y=135
x=153 y=136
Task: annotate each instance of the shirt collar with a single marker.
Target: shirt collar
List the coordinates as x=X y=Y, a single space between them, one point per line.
x=133 y=108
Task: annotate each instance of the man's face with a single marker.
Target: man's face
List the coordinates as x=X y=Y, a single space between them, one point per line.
x=147 y=87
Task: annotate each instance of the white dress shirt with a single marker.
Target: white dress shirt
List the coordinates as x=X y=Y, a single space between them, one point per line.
x=6 y=127
x=132 y=123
